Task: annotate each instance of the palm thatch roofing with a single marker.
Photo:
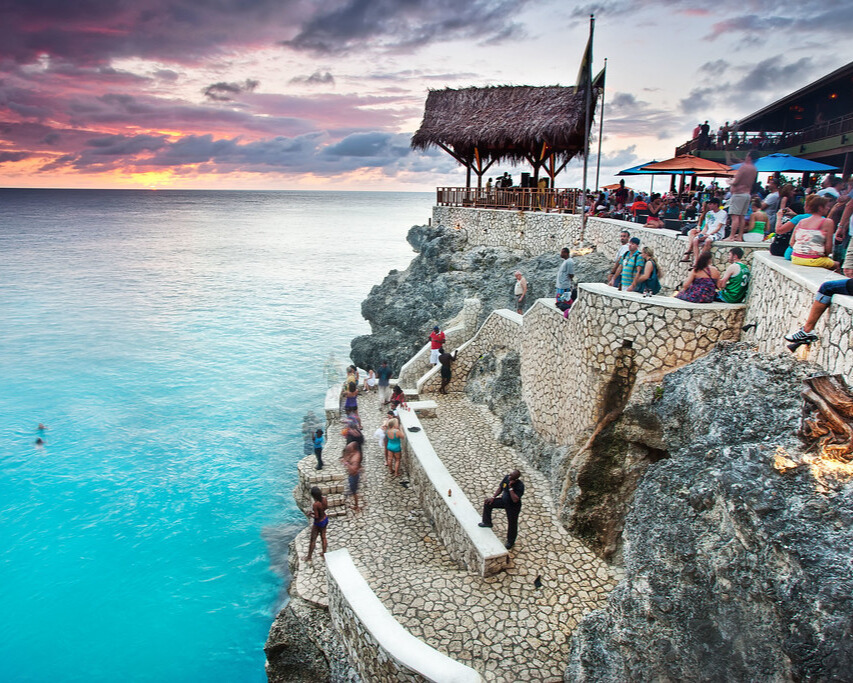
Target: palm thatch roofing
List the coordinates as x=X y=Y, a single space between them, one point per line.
x=504 y=122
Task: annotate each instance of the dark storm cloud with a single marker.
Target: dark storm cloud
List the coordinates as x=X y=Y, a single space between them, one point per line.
x=225 y=92
x=317 y=78
x=93 y=32
x=166 y=75
x=405 y=24
x=124 y=145
x=375 y=146
x=715 y=69
x=749 y=86
x=13 y=156
x=312 y=153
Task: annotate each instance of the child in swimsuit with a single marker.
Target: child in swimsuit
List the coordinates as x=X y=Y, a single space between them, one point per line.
x=394 y=446
x=321 y=521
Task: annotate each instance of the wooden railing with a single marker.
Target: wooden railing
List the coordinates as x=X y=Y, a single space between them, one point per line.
x=772 y=142
x=560 y=200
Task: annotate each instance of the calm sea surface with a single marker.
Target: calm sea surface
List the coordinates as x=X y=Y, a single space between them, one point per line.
x=171 y=342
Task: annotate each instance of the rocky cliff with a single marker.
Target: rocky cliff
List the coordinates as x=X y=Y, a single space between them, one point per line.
x=404 y=308
x=735 y=570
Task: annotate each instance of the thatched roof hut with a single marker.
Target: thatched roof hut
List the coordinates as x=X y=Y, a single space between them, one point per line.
x=480 y=126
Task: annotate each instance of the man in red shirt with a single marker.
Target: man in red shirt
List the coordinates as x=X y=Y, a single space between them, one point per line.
x=639 y=205
x=436 y=340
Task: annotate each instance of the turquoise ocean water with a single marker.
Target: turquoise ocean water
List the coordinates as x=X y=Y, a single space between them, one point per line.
x=171 y=342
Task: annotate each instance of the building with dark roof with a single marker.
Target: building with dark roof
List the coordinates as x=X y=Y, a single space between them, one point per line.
x=814 y=122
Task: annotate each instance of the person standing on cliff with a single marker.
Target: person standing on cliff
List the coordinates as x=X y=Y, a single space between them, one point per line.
x=445 y=359
x=507 y=496
x=384 y=382
x=566 y=273
x=351 y=460
x=436 y=341
x=520 y=291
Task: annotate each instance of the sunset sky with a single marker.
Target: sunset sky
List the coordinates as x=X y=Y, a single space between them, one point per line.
x=290 y=94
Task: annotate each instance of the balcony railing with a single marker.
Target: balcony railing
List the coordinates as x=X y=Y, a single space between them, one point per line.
x=771 y=142
x=559 y=200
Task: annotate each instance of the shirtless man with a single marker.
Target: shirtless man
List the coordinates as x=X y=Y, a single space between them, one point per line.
x=352 y=462
x=741 y=190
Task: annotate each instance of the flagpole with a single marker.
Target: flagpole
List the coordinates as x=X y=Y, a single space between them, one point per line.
x=600 y=135
x=588 y=83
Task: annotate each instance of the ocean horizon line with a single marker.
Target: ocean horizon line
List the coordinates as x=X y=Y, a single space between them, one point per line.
x=197 y=189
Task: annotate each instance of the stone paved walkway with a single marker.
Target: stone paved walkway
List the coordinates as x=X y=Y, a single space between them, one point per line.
x=501 y=626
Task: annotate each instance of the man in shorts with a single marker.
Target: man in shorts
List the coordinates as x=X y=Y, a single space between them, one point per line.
x=741 y=190
x=436 y=340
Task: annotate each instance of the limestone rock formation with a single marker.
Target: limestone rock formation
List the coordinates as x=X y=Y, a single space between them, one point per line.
x=735 y=570
x=303 y=646
x=403 y=309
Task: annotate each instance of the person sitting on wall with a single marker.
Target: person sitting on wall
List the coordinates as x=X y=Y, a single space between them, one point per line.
x=712 y=230
x=507 y=496
x=700 y=287
x=655 y=207
x=811 y=240
x=398 y=397
x=735 y=280
x=806 y=335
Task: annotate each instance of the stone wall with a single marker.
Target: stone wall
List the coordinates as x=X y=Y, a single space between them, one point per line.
x=609 y=339
x=780 y=296
x=501 y=330
x=457 y=331
x=537 y=233
x=448 y=509
x=378 y=646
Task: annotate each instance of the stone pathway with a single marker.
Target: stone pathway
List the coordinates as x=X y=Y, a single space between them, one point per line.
x=502 y=626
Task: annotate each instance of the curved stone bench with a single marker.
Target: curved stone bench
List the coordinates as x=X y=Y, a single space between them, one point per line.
x=451 y=513
x=780 y=295
x=378 y=646
x=332 y=404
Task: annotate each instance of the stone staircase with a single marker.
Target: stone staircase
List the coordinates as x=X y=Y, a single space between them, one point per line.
x=332 y=480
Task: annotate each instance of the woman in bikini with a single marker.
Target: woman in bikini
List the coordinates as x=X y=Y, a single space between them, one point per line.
x=812 y=238
x=351 y=403
x=321 y=521
x=394 y=444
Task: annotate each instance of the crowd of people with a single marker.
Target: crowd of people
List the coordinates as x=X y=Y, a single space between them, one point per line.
x=391 y=439
x=810 y=226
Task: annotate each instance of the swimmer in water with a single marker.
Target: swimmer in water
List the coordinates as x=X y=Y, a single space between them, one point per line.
x=42 y=427
x=39 y=442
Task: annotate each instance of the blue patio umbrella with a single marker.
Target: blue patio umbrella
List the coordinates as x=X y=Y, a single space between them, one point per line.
x=638 y=169
x=782 y=163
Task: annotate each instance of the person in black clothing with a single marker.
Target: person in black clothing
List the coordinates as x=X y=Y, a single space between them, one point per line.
x=508 y=496
x=445 y=359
